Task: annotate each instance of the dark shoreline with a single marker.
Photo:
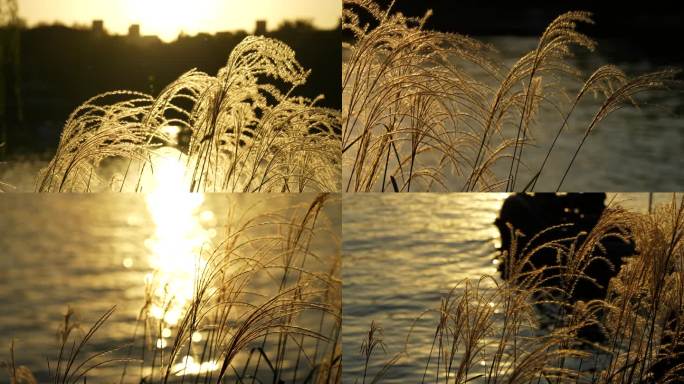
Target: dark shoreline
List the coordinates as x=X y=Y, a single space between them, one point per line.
x=651 y=27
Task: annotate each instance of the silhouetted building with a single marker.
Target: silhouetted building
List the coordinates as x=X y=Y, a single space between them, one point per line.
x=260 y=27
x=98 y=27
x=134 y=30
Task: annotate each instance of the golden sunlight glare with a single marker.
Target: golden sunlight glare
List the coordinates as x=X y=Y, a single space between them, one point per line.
x=167 y=18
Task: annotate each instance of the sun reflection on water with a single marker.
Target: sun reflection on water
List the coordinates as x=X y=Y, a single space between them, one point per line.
x=182 y=229
x=188 y=366
x=176 y=245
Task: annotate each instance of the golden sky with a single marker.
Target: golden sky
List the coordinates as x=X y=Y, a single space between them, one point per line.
x=166 y=18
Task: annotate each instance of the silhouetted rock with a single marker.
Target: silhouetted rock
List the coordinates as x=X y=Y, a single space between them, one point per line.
x=547 y=217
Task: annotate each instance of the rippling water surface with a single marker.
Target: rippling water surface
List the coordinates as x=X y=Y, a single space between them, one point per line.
x=91 y=252
x=632 y=150
x=402 y=253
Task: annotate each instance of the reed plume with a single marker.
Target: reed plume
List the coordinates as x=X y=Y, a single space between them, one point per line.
x=246 y=133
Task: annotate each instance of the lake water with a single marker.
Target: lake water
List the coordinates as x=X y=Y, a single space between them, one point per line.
x=632 y=150
x=402 y=253
x=93 y=251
